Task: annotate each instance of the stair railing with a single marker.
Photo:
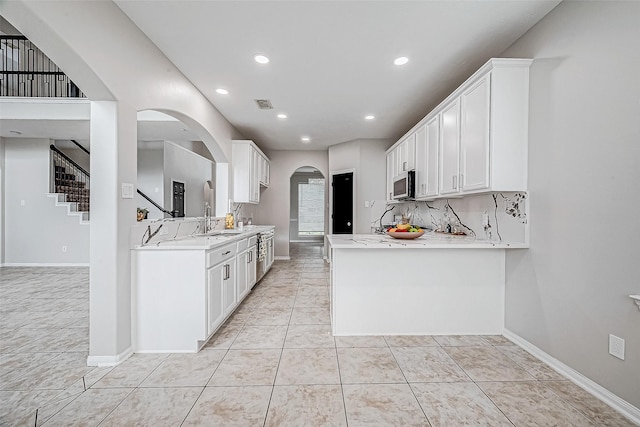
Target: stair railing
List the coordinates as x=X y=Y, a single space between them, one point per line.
x=163 y=210
x=62 y=164
x=26 y=71
x=71 y=179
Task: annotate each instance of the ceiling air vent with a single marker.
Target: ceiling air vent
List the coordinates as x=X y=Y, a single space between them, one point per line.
x=264 y=104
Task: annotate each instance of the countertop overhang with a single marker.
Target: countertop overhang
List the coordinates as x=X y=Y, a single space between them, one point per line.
x=430 y=240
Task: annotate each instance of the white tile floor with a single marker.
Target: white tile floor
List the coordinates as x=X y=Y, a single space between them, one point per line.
x=274 y=363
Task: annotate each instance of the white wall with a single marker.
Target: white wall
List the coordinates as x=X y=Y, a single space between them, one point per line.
x=150 y=177
x=193 y=170
x=274 y=201
x=367 y=157
x=2 y=212
x=570 y=291
x=95 y=44
x=35 y=229
x=75 y=154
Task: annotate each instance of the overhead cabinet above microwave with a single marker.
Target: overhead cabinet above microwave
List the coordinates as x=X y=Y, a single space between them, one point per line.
x=475 y=141
x=250 y=171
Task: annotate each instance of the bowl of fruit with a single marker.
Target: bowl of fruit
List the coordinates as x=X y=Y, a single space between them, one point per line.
x=405 y=231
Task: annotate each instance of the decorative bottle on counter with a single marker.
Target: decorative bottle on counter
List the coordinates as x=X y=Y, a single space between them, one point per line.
x=229 y=222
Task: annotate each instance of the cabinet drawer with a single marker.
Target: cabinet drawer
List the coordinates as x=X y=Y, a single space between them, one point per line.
x=242 y=244
x=220 y=254
x=252 y=241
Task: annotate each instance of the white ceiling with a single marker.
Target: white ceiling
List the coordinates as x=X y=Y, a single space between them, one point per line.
x=331 y=61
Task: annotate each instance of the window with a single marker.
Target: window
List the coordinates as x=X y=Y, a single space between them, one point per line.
x=311 y=207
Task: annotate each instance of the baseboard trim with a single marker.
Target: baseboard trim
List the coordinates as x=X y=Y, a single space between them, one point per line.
x=590 y=386
x=104 y=361
x=281 y=258
x=42 y=264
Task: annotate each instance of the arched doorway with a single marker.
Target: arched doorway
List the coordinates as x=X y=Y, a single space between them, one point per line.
x=307 y=205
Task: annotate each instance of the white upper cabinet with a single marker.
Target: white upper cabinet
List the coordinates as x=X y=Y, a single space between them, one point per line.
x=430 y=169
x=474 y=136
x=478 y=134
x=391 y=173
x=405 y=154
x=421 y=162
x=250 y=171
x=450 y=148
x=264 y=171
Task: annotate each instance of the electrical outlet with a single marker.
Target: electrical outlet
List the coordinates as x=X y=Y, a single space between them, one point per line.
x=616 y=346
x=64 y=249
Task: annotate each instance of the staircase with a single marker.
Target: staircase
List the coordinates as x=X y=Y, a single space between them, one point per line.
x=70 y=185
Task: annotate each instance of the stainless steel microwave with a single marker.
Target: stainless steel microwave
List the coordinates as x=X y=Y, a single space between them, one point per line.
x=404 y=185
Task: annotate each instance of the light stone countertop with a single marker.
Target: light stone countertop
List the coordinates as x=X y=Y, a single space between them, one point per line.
x=430 y=240
x=205 y=242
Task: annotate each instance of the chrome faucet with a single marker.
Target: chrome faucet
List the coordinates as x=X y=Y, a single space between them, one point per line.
x=207 y=217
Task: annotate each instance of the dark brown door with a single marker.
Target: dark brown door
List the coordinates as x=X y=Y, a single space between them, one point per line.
x=342 y=215
x=178 y=198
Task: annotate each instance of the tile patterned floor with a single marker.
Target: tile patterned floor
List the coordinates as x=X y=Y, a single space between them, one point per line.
x=274 y=363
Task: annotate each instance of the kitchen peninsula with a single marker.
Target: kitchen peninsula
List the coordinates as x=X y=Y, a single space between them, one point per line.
x=434 y=285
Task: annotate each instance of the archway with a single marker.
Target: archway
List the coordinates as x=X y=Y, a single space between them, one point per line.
x=307 y=205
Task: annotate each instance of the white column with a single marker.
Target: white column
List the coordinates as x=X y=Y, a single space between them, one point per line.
x=113 y=163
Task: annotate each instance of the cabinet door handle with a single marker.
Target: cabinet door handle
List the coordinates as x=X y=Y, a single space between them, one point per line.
x=461 y=180
x=226 y=253
x=404 y=166
x=455 y=182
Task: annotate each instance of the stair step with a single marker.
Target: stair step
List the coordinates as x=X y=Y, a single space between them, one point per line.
x=70 y=184
x=69 y=189
x=65 y=176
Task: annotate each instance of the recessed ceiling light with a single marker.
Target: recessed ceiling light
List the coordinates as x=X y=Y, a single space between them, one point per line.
x=261 y=59
x=369 y=117
x=282 y=116
x=222 y=91
x=401 y=60
x=305 y=139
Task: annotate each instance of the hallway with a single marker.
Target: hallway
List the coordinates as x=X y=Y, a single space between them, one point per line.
x=273 y=363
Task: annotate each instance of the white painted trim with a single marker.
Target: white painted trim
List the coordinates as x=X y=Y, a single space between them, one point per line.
x=47 y=264
x=590 y=386
x=103 y=361
x=282 y=258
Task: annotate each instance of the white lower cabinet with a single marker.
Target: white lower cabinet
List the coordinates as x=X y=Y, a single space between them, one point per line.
x=221 y=285
x=215 y=310
x=270 y=254
x=246 y=271
x=229 y=287
x=181 y=297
